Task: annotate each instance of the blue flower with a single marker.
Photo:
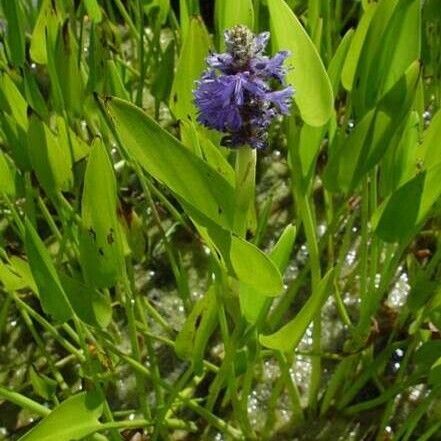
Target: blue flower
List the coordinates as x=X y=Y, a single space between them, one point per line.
x=238 y=93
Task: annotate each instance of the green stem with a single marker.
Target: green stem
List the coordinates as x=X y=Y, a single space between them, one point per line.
x=245 y=188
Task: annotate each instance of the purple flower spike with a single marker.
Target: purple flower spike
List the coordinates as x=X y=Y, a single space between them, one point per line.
x=235 y=95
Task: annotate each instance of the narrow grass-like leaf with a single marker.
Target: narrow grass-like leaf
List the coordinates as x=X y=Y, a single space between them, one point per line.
x=167 y=160
x=288 y=337
x=75 y=418
x=52 y=296
x=313 y=95
x=100 y=241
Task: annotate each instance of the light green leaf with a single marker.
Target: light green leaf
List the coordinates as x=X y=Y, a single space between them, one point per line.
x=404 y=212
x=73 y=419
x=52 y=296
x=37 y=49
x=254 y=268
x=392 y=43
x=51 y=159
x=93 y=10
x=313 y=95
x=90 y=305
x=12 y=101
x=7 y=176
x=337 y=62
x=100 y=241
x=351 y=61
x=232 y=12
x=288 y=337
x=429 y=153
x=192 y=339
x=168 y=161
x=190 y=66
x=43 y=386
x=253 y=302
x=368 y=142
x=163 y=79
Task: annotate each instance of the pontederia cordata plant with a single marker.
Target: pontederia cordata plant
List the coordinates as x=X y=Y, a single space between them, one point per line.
x=220 y=220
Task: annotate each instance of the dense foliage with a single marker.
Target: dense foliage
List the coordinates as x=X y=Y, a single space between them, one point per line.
x=161 y=281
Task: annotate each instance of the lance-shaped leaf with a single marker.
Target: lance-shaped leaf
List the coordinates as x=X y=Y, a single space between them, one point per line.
x=171 y=163
x=75 y=418
x=100 y=240
x=192 y=339
x=288 y=337
x=254 y=268
x=190 y=66
x=253 y=302
x=50 y=158
x=367 y=144
x=313 y=95
x=52 y=295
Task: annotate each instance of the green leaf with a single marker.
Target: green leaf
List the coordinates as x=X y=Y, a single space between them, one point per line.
x=400 y=161
x=232 y=12
x=12 y=101
x=113 y=83
x=429 y=153
x=100 y=241
x=192 y=339
x=163 y=80
x=15 y=34
x=38 y=49
x=254 y=268
x=337 y=62
x=392 y=43
x=399 y=213
x=43 y=386
x=253 y=302
x=75 y=418
x=93 y=10
x=7 y=176
x=171 y=163
x=404 y=212
x=368 y=142
x=52 y=296
x=50 y=158
x=288 y=337
x=90 y=305
x=351 y=61
x=313 y=95
x=190 y=66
